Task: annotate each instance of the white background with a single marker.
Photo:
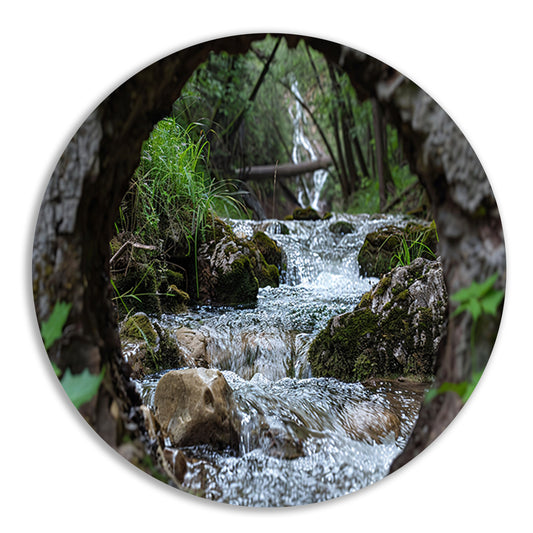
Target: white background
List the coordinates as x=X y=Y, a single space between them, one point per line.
x=60 y=59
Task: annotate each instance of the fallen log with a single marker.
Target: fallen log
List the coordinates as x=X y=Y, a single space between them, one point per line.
x=286 y=170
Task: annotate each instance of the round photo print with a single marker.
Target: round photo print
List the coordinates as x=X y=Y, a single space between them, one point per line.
x=268 y=270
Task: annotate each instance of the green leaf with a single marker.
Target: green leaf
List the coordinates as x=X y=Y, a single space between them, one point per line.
x=81 y=388
x=479 y=298
x=52 y=328
x=491 y=301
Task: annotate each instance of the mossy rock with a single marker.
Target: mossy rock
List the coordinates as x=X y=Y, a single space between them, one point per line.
x=138 y=289
x=341 y=227
x=305 y=213
x=268 y=247
x=139 y=327
x=174 y=300
x=175 y=278
x=381 y=248
x=395 y=329
x=237 y=283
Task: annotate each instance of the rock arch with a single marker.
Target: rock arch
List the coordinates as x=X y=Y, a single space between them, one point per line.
x=75 y=223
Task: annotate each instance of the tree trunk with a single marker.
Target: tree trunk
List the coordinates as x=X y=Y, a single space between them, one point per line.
x=286 y=170
x=386 y=185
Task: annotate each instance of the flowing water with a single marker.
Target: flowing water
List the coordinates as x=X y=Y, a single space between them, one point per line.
x=303 y=439
x=303 y=149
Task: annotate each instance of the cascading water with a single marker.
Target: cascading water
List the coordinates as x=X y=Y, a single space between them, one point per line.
x=309 y=194
x=303 y=439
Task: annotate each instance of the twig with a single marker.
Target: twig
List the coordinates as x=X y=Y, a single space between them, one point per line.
x=133 y=244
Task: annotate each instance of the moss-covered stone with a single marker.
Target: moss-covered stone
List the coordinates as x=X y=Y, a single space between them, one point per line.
x=139 y=327
x=305 y=213
x=174 y=300
x=138 y=289
x=341 y=227
x=268 y=248
x=380 y=249
x=175 y=278
x=395 y=330
x=238 y=284
x=336 y=348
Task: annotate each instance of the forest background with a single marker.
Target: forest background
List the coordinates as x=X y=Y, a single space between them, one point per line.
x=454 y=61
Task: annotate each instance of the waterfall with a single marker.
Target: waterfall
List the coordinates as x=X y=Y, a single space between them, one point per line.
x=311 y=187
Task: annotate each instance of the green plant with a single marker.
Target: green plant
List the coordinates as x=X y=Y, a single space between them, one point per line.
x=82 y=387
x=477 y=299
x=411 y=249
x=174 y=196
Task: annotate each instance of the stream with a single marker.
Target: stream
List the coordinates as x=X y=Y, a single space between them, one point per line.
x=303 y=439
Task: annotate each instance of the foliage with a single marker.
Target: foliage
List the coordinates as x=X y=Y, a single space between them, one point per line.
x=80 y=388
x=173 y=193
x=477 y=299
x=52 y=329
x=411 y=249
x=220 y=93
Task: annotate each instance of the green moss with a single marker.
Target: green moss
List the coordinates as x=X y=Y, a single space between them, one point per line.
x=139 y=288
x=334 y=355
x=174 y=300
x=305 y=213
x=268 y=248
x=380 y=247
x=174 y=278
x=239 y=285
x=269 y=276
x=363 y=368
x=139 y=327
x=401 y=296
x=341 y=227
x=382 y=286
x=366 y=300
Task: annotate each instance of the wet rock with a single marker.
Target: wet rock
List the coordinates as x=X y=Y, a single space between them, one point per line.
x=193 y=345
x=231 y=268
x=194 y=407
x=382 y=248
x=280 y=444
x=268 y=248
x=304 y=213
x=395 y=329
x=226 y=274
x=147 y=347
x=341 y=227
x=370 y=422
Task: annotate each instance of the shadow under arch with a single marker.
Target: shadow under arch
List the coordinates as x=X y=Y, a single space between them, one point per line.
x=75 y=223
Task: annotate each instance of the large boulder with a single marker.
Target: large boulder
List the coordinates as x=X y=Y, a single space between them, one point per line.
x=387 y=247
x=231 y=269
x=395 y=330
x=195 y=406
